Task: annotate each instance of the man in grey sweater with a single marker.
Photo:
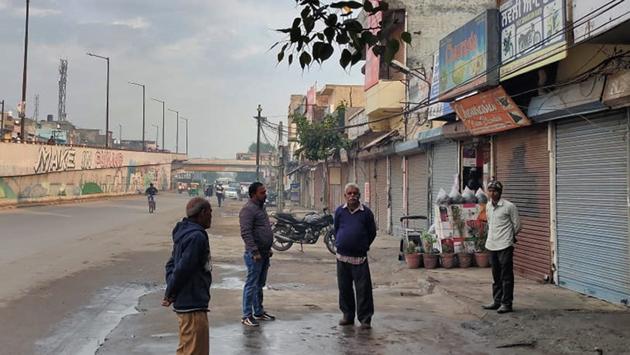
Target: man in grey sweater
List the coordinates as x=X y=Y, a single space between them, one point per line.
x=258 y=237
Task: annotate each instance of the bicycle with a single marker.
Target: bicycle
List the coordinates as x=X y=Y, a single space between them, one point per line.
x=151 y=199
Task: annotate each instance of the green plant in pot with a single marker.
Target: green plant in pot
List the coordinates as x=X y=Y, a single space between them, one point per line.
x=481 y=254
x=447 y=258
x=430 y=256
x=412 y=256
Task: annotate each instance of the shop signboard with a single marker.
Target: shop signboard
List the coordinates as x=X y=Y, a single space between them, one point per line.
x=468 y=56
x=491 y=111
x=592 y=18
x=532 y=35
x=437 y=109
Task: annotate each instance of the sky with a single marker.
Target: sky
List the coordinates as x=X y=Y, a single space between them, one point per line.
x=207 y=59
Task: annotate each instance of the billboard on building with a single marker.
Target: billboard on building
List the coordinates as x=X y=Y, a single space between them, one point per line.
x=468 y=56
x=491 y=111
x=532 y=35
x=592 y=18
x=437 y=109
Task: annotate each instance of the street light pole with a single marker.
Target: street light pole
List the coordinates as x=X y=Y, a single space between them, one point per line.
x=163 y=121
x=176 y=132
x=106 y=98
x=23 y=103
x=144 y=101
x=258 y=118
x=185 y=119
x=2 y=123
x=120 y=134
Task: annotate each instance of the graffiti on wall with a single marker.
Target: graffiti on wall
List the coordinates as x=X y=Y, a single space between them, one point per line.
x=53 y=160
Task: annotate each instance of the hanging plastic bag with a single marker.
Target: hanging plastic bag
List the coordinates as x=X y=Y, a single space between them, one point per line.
x=455 y=197
x=481 y=197
x=469 y=196
x=442 y=198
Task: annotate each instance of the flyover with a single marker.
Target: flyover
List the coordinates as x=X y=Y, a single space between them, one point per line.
x=217 y=165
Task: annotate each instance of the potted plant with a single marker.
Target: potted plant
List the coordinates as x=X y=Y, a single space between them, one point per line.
x=429 y=257
x=447 y=258
x=412 y=256
x=465 y=259
x=481 y=254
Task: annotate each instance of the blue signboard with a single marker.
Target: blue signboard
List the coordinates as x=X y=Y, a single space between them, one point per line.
x=437 y=109
x=468 y=56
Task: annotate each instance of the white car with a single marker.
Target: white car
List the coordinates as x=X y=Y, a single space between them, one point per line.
x=231 y=192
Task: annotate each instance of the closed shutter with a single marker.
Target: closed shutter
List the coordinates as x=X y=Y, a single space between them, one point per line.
x=522 y=165
x=380 y=192
x=592 y=206
x=362 y=178
x=418 y=172
x=319 y=187
x=396 y=186
x=445 y=166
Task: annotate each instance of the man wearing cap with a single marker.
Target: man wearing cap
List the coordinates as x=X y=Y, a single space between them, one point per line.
x=503 y=226
x=188 y=277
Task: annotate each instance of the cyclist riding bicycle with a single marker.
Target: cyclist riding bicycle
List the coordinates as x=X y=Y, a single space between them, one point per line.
x=151 y=192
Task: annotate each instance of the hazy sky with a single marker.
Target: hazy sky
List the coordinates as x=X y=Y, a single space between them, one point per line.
x=206 y=58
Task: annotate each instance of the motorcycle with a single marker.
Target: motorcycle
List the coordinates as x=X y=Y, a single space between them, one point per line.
x=288 y=230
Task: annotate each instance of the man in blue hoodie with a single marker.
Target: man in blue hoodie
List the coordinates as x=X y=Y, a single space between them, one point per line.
x=188 y=277
x=355 y=230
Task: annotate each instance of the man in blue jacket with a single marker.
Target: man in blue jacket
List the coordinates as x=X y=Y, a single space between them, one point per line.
x=188 y=277
x=355 y=230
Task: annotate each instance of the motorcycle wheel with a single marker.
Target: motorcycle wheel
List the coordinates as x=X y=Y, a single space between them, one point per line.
x=329 y=240
x=280 y=245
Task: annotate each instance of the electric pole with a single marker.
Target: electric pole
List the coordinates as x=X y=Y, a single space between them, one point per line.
x=22 y=112
x=176 y=131
x=280 y=170
x=258 y=118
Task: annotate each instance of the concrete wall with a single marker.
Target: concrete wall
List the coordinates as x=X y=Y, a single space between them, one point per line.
x=41 y=173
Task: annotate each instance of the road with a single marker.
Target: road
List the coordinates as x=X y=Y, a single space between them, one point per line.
x=88 y=278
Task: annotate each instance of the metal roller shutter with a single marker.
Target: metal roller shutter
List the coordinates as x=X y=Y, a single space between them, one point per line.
x=362 y=177
x=592 y=206
x=396 y=184
x=417 y=196
x=522 y=165
x=380 y=194
x=445 y=166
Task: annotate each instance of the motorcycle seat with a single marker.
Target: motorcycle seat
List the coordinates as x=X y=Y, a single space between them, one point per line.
x=288 y=217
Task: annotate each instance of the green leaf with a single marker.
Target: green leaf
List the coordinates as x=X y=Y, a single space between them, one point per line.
x=320 y=36
x=280 y=56
x=290 y=59
x=353 y=26
x=329 y=32
x=390 y=51
x=354 y=4
x=284 y=30
x=305 y=59
x=406 y=37
x=369 y=38
x=305 y=12
x=342 y=38
x=356 y=57
x=331 y=20
x=367 y=6
x=326 y=51
x=309 y=24
x=317 y=50
x=346 y=57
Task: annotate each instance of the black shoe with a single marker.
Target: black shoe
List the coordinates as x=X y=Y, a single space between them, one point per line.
x=365 y=326
x=250 y=321
x=504 y=309
x=491 y=306
x=345 y=322
x=265 y=316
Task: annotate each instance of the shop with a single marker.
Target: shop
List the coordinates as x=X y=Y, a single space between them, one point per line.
x=444 y=168
x=397 y=187
x=592 y=205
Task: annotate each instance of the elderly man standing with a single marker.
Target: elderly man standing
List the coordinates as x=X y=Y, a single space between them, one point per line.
x=503 y=226
x=188 y=278
x=355 y=230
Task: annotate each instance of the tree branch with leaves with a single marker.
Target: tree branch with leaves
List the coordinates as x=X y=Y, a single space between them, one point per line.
x=322 y=25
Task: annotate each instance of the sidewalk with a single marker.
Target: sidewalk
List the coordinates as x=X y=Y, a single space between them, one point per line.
x=547 y=318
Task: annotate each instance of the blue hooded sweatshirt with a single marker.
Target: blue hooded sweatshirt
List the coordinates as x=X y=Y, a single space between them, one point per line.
x=188 y=276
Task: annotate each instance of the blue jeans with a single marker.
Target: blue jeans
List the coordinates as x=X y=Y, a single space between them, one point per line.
x=253 y=290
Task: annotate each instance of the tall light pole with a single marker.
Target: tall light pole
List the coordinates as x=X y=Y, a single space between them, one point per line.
x=23 y=103
x=258 y=118
x=120 y=134
x=176 y=132
x=163 y=121
x=106 y=98
x=157 y=135
x=185 y=119
x=144 y=101
x=2 y=123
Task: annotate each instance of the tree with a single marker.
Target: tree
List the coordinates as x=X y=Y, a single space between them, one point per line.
x=322 y=25
x=264 y=148
x=320 y=140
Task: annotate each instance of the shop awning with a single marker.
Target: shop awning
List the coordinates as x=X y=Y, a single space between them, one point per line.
x=381 y=139
x=431 y=135
x=409 y=147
